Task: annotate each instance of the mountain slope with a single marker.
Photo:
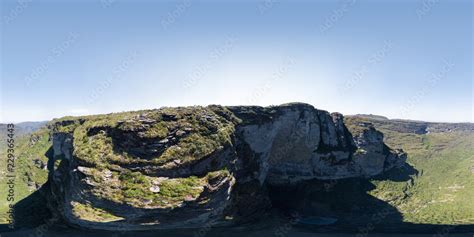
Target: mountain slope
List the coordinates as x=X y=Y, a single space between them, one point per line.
x=434 y=188
x=442 y=191
x=191 y=166
x=31 y=145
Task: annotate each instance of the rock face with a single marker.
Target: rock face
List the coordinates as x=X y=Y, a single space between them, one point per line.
x=193 y=166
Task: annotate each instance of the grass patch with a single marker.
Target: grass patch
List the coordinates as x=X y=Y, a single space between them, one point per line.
x=30 y=151
x=443 y=190
x=89 y=213
x=196 y=132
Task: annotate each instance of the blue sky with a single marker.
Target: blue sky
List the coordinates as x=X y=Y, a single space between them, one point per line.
x=401 y=59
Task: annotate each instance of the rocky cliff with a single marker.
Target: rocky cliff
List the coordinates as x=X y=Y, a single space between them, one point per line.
x=413 y=126
x=192 y=166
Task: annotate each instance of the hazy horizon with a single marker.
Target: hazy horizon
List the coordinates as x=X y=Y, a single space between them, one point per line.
x=413 y=62
x=46 y=120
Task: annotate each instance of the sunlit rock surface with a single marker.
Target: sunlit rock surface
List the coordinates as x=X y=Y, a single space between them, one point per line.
x=187 y=167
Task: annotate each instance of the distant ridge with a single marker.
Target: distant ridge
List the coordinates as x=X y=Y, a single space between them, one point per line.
x=23 y=127
x=371 y=116
x=415 y=126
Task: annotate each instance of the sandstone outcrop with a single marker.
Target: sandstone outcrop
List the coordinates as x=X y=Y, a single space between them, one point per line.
x=192 y=166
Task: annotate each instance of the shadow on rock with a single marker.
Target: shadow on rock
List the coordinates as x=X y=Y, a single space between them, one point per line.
x=32 y=211
x=346 y=201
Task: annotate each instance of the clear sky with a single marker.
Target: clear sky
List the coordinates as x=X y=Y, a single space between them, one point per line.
x=401 y=59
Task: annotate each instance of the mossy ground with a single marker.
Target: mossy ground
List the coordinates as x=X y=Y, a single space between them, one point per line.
x=90 y=213
x=134 y=188
x=206 y=130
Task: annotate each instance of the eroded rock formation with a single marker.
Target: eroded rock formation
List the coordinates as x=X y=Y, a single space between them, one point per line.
x=193 y=166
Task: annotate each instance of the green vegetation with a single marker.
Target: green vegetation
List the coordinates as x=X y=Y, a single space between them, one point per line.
x=104 y=143
x=353 y=124
x=193 y=147
x=137 y=189
x=30 y=167
x=96 y=151
x=157 y=131
x=443 y=190
x=89 y=213
x=134 y=185
x=177 y=190
x=198 y=132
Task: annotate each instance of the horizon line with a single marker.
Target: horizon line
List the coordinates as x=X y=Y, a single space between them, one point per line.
x=136 y=110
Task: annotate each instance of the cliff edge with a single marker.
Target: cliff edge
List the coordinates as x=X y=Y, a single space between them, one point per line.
x=187 y=167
